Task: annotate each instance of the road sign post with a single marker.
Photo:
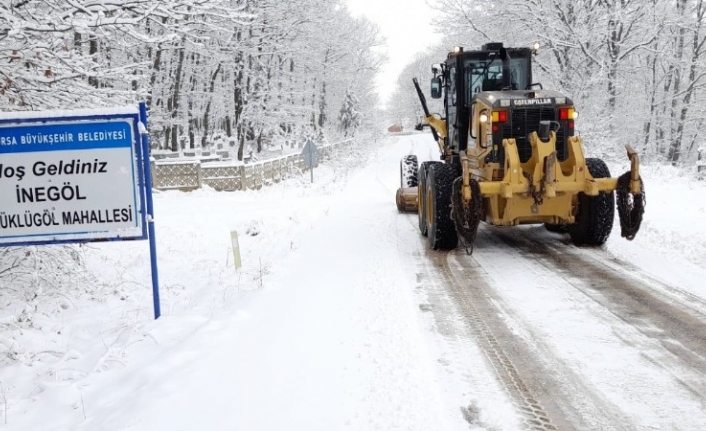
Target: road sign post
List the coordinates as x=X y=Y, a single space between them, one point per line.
x=76 y=176
x=236 y=249
x=311 y=156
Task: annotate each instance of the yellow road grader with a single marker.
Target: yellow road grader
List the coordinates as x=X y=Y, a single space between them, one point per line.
x=509 y=156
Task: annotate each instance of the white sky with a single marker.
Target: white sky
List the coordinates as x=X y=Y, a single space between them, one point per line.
x=407 y=27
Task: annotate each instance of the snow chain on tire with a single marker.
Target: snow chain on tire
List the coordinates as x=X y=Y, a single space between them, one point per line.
x=630 y=207
x=537 y=195
x=466 y=217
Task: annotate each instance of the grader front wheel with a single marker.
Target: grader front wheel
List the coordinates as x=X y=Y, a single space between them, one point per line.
x=594 y=219
x=441 y=229
x=421 y=196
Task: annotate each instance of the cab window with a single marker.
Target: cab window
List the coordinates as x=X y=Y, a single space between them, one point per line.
x=487 y=75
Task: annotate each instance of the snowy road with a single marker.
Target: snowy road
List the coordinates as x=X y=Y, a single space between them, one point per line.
x=342 y=319
x=584 y=343
x=577 y=338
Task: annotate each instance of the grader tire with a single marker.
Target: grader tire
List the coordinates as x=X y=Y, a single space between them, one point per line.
x=421 y=196
x=441 y=228
x=408 y=171
x=594 y=219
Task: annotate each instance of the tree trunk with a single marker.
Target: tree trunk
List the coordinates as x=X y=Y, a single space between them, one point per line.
x=174 y=105
x=192 y=122
x=207 y=111
x=675 y=148
x=322 y=94
x=156 y=64
x=674 y=143
x=93 y=52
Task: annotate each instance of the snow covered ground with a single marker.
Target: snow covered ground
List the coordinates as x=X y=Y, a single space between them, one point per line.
x=321 y=328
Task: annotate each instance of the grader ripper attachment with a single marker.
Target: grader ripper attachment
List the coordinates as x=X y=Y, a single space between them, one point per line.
x=509 y=156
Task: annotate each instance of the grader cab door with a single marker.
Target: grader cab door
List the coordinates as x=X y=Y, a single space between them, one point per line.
x=450 y=106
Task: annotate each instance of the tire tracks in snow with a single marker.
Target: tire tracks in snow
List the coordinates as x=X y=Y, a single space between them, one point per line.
x=673 y=319
x=545 y=394
x=532 y=413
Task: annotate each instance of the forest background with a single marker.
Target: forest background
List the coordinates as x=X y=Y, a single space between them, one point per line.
x=249 y=74
x=253 y=74
x=635 y=69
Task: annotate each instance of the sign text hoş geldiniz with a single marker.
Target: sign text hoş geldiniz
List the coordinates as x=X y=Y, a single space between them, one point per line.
x=71 y=180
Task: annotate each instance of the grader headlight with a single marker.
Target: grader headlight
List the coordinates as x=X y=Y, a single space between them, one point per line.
x=535 y=48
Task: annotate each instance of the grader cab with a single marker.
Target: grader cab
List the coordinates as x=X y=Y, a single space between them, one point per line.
x=509 y=156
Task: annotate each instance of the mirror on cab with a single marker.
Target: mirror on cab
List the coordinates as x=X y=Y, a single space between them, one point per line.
x=436 y=87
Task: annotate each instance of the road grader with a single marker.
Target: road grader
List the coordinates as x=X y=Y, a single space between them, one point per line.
x=510 y=156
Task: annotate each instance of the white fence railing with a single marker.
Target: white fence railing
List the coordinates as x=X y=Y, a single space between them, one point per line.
x=174 y=174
